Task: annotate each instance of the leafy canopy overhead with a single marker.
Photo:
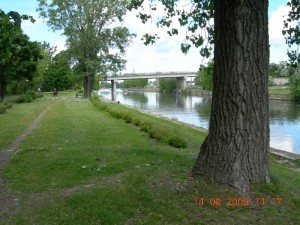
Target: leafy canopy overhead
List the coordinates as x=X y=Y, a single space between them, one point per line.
x=291 y=32
x=10 y=29
x=197 y=17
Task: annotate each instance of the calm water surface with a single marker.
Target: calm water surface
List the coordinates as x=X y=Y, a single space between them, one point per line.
x=195 y=110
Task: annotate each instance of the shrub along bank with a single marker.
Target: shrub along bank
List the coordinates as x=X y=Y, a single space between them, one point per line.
x=159 y=133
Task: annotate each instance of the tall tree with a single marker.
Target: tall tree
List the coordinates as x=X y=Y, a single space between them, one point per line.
x=236 y=150
x=59 y=75
x=167 y=85
x=47 y=53
x=205 y=76
x=92 y=32
x=18 y=55
x=138 y=83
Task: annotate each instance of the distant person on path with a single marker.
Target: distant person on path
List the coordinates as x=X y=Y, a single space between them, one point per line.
x=55 y=92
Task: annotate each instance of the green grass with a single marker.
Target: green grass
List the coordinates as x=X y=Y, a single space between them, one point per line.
x=61 y=93
x=279 y=90
x=16 y=120
x=193 y=136
x=82 y=166
x=273 y=90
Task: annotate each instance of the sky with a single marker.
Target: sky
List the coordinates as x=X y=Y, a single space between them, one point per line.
x=165 y=55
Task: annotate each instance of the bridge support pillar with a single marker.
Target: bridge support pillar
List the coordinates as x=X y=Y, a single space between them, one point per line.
x=113 y=90
x=181 y=84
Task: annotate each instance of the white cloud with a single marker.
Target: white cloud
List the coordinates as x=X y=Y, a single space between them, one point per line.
x=278 y=47
x=28 y=26
x=165 y=54
x=276 y=25
x=60 y=45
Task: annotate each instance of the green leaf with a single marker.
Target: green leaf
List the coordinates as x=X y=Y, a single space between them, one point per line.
x=185 y=47
x=32 y=20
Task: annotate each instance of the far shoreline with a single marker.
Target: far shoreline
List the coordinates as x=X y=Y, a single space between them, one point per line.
x=201 y=92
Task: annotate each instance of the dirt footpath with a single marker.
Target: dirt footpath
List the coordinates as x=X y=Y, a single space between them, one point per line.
x=9 y=201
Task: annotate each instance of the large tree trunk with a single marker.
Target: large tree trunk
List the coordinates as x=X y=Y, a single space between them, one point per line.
x=2 y=90
x=236 y=150
x=87 y=86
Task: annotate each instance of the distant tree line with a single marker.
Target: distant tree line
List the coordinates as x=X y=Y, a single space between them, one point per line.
x=138 y=83
x=167 y=85
x=282 y=69
x=204 y=76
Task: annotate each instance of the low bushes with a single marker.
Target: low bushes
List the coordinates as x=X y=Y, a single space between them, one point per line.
x=161 y=134
x=39 y=95
x=4 y=107
x=29 y=96
x=2 y=110
x=177 y=142
x=23 y=98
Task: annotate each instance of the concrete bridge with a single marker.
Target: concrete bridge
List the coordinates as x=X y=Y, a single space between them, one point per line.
x=180 y=77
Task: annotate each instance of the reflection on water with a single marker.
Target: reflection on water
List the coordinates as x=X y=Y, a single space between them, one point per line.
x=195 y=110
x=285 y=125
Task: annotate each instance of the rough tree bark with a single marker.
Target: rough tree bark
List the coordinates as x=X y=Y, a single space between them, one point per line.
x=236 y=150
x=87 y=85
x=2 y=90
x=3 y=83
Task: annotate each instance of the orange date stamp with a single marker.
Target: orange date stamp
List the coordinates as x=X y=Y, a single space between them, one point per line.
x=231 y=202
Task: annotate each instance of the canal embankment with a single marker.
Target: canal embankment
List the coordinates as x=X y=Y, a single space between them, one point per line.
x=195 y=110
x=272 y=96
x=81 y=165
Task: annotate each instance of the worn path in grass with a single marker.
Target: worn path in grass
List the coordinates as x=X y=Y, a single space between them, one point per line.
x=8 y=200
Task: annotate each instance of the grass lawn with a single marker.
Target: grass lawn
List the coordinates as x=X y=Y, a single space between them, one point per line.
x=82 y=166
x=279 y=90
x=272 y=90
x=17 y=120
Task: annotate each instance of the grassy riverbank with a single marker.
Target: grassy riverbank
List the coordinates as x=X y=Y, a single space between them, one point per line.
x=272 y=91
x=279 y=93
x=82 y=166
x=280 y=90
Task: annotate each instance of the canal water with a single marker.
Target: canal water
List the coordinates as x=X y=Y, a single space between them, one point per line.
x=195 y=110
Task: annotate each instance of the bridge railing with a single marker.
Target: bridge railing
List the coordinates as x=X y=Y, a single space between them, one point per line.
x=158 y=73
